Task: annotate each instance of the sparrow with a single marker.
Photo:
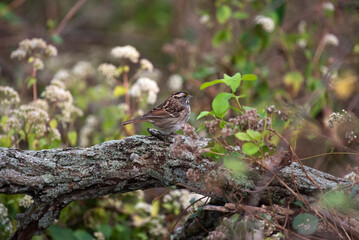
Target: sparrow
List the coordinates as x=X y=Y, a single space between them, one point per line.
x=169 y=116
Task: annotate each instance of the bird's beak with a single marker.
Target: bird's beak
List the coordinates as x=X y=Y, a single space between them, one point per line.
x=190 y=96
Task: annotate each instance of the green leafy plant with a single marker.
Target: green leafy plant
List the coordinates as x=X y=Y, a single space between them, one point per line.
x=220 y=103
x=251 y=132
x=305 y=223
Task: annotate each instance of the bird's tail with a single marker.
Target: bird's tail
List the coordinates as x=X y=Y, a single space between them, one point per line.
x=135 y=120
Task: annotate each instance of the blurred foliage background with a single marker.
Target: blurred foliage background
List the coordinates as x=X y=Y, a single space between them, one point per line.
x=305 y=54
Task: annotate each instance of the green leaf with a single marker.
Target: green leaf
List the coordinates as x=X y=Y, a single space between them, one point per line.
x=83 y=235
x=155 y=208
x=220 y=104
x=223 y=13
x=255 y=135
x=72 y=136
x=207 y=84
x=31 y=140
x=59 y=233
x=234 y=164
x=233 y=82
x=3 y=120
x=106 y=230
x=247 y=108
x=243 y=136
x=220 y=36
x=119 y=91
x=53 y=124
x=5 y=141
x=338 y=200
x=235 y=109
x=22 y=134
x=222 y=124
x=31 y=81
x=124 y=232
x=193 y=215
x=305 y=224
x=203 y=114
x=249 y=77
x=240 y=15
x=299 y=203
x=56 y=38
x=8 y=15
x=50 y=23
x=250 y=148
x=293 y=81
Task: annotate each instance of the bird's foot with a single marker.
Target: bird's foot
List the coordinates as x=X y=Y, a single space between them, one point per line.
x=160 y=135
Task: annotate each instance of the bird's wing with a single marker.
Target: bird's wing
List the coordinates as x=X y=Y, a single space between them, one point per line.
x=165 y=110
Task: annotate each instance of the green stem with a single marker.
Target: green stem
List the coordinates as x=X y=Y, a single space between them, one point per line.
x=34 y=86
x=240 y=106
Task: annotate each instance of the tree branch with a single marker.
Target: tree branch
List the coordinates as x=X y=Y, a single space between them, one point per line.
x=56 y=177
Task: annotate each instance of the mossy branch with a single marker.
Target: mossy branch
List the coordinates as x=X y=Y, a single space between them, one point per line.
x=56 y=177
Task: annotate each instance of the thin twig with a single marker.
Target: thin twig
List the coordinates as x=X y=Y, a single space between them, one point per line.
x=68 y=16
x=183 y=212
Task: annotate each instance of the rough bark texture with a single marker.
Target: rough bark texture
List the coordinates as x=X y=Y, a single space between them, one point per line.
x=55 y=177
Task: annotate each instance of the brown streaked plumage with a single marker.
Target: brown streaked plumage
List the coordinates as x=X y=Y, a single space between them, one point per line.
x=169 y=116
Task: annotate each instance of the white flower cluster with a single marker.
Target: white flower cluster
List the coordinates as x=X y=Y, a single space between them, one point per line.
x=181 y=198
x=175 y=82
x=57 y=82
x=62 y=75
x=145 y=85
x=26 y=201
x=302 y=43
x=143 y=206
x=99 y=236
x=83 y=69
x=126 y=52
x=123 y=107
x=337 y=118
x=157 y=228
x=331 y=39
x=90 y=125
x=146 y=65
x=36 y=117
x=41 y=104
x=352 y=176
x=155 y=75
x=27 y=46
x=33 y=115
x=204 y=19
x=266 y=22
x=8 y=96
x=13 y=122
x=38 y=64
x=51 y=50
x=109 y=70
x=5 y=222
x=57 y=94
x=328 y=6
x=111 y=202
x=350 y=136
x=80 y=71
x=55 y=134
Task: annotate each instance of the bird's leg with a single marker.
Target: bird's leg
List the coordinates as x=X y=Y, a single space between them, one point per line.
x=158 y=134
